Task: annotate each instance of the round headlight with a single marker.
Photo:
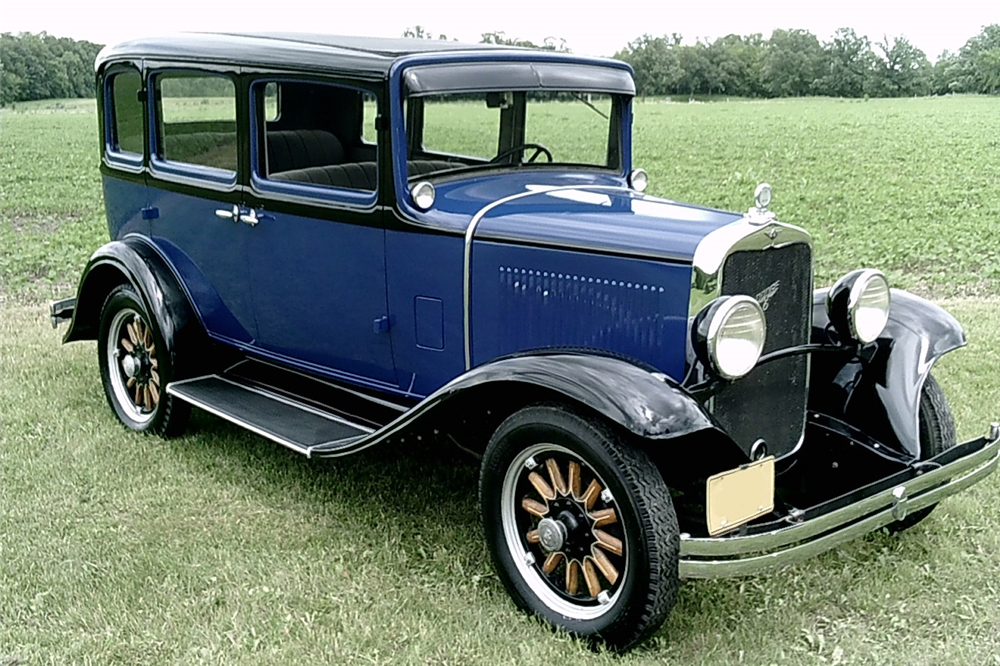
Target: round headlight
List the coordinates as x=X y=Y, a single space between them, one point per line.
x=638 y=180
x=858 y=305
x=730 y=334
x=423 y=195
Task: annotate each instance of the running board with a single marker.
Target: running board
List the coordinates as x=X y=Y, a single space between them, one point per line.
x=289 y=422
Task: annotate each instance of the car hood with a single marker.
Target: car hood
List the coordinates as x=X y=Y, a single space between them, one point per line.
x=589 y=214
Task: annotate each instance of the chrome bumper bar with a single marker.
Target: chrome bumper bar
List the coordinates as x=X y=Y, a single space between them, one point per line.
x=743 y=555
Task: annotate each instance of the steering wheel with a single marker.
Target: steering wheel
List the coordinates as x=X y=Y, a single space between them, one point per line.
x=539 y=150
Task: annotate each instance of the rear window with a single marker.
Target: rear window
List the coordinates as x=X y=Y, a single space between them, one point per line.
x=126 y=113
x=197 y=120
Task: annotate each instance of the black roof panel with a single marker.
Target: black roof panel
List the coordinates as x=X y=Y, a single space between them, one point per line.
x=313 y=51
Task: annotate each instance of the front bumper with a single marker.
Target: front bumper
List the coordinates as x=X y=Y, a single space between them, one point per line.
x=826 y=526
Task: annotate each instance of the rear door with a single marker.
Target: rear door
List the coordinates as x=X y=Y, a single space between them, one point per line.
x=196 y=195
x=317 y=252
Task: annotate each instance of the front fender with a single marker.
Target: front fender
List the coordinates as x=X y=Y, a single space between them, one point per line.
x=645 y=402
x=878 y=388
x=134 y=261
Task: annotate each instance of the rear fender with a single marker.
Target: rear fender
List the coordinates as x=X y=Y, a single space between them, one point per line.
x=133 y=260
x=878 y=388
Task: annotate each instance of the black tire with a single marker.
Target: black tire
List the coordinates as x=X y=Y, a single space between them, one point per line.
x=125 y=322
x=639 y=598
x=937 y=435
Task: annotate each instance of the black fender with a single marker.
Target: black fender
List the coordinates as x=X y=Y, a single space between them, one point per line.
x=877 y=387
x=134 y=260
x=644 y=402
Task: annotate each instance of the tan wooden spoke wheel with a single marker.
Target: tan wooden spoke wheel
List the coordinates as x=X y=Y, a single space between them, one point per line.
x=562 y=526
x=133 y=368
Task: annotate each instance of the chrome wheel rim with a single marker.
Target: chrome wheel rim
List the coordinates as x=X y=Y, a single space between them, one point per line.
x=133 y=368
x=552 y=495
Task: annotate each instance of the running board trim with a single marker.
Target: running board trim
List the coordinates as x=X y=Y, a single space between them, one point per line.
x=195 y=390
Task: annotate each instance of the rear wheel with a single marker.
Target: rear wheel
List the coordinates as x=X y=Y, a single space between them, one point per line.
x=136 y=366
x=937 y=435
x=581 y=527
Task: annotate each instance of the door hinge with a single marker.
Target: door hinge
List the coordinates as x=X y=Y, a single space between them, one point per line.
x=383 y=324
x=150 y=213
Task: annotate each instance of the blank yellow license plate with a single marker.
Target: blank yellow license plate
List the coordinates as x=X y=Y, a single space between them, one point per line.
x=739 y=495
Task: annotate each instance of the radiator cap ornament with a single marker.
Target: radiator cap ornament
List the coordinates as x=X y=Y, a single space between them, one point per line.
x=762 y=196
x=759 y=214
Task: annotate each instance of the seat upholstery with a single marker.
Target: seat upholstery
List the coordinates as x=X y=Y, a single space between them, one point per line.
x=356 y=176
x=420 y=167
x=301 y=149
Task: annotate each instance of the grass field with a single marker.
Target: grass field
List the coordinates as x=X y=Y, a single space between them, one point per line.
x=220 y=547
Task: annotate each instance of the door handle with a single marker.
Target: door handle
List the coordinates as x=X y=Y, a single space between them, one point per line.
x=250 y=217
x=233 y=214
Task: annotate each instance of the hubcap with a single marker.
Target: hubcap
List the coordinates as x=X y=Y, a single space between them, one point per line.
x=133 y=368
x=131 y=365
x=551 y=534
x=563 y=531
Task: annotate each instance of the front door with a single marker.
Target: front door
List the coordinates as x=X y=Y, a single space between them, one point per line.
x=317 y=251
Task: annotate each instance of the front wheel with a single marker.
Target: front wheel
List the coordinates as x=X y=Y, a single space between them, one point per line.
x=581 y=527
x=937 y=435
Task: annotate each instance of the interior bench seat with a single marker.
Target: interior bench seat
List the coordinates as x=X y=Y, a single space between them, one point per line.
x=356 y=176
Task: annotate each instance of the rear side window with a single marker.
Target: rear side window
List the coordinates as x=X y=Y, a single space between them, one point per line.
x=318 y=140
x=126 y=113
x=197 y=120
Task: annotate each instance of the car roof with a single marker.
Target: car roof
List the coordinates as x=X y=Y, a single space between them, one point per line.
x=373 y=55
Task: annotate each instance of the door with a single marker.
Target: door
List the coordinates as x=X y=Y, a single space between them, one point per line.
x=193 y=204
x=317 y=253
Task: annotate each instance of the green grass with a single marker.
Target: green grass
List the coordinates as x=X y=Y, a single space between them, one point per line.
x=220 y=547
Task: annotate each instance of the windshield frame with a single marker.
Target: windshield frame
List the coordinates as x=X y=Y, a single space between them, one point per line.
x=512 y=132
x=619 y=130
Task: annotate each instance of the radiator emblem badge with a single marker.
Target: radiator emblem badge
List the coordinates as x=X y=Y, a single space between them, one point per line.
x=773 y=232
x=765 y=296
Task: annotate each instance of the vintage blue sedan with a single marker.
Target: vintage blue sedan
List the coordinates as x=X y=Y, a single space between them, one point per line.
x=338 y=241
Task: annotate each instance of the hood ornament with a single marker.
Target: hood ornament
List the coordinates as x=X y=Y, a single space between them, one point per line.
x=759 y=214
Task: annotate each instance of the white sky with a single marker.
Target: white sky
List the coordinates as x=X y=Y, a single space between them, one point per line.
x=589 y=27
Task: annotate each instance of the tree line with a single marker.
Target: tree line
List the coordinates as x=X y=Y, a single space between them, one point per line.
x=793 y=63
x=44 y=67
x=790 y=63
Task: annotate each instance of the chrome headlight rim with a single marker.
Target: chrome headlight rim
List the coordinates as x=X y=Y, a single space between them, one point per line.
x=848 y=297
x=710 y=326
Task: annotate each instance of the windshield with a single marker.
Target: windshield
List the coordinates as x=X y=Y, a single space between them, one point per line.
x=512 y=129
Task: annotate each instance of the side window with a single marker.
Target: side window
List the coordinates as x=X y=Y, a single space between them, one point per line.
x=369 y=112
x=272 y=102
x=315 y=135
x=126 y=110
x=197 y=120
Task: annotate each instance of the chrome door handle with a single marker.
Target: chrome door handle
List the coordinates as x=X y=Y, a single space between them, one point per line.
x=233 y=214
x=249 y=217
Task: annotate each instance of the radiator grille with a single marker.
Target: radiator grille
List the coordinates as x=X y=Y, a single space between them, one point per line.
x=770 y=402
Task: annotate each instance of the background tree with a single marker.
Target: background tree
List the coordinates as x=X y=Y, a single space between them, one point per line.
x=420 y=32
x=901 y=69
x=848 y=64
x=793 y=64
x=43 y=67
